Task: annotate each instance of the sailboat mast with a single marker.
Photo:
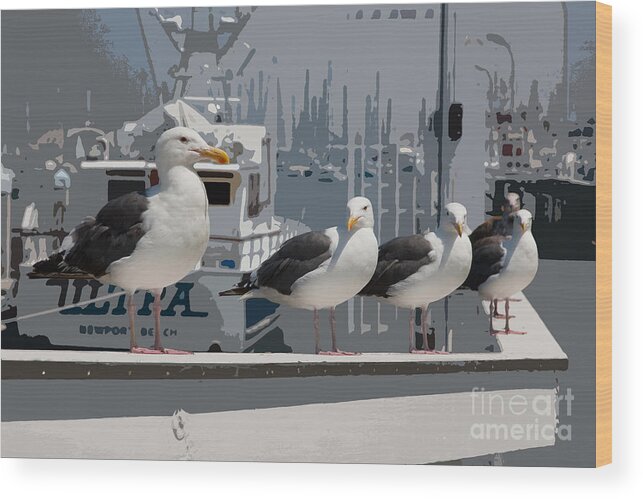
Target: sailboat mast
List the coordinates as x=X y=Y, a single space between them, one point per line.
x=148 y=54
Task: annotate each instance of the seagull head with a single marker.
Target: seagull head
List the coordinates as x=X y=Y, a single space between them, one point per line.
x=455 y=218
x=522 y=222
x=183 y=146
x=360 y=213
x=511 y=204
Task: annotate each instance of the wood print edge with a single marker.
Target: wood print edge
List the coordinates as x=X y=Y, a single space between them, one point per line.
x=603 y=234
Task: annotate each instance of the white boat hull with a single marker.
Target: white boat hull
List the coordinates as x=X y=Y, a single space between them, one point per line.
x=397 y=430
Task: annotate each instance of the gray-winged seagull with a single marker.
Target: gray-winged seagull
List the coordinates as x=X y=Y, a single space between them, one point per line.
x=319 y=269
x=415 y=271
x=146 y=240
x=498 y=226
x=503 y=266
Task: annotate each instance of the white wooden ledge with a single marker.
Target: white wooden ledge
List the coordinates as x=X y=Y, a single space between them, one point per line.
x=535 y=351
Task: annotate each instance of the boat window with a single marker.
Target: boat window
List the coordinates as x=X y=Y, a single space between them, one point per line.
x=126 y=173
x=116 y=188
x=218 y=193
x=207 y=174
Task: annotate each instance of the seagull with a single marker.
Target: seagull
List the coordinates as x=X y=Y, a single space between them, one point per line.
x=145 y=240
x=415 y=271
x=498 y=226
x=318 y=270
x=503 y=266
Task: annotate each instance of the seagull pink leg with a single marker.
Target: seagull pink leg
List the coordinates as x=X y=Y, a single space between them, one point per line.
x=425 y=336
x=412 y=345
x=333 y=337
x=425 y=329
x=492 y=311
x=507 y=308
x=495 y=310
x=131 y=312
x=508 y=330
x=130 y=316
x=316 y=330
x=499 y=315
x=157 y=328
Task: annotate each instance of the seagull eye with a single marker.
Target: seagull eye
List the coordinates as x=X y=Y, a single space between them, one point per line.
x=365 y=208
x=184 y=140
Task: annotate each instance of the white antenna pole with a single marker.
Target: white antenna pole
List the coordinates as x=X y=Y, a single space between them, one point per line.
x=72 y=305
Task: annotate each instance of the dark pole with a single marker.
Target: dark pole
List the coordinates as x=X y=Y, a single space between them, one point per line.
x=512 y=77
x=565 y=59
x=439 y=129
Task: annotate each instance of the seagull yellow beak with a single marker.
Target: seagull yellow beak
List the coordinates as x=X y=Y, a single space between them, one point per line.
x=351 y=222
x=459 y=229
x=523 y=227
x=214 y=154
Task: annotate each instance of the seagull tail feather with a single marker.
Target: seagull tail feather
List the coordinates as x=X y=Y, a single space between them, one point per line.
x=234 y=292
x=56 y=267
x=241 y=288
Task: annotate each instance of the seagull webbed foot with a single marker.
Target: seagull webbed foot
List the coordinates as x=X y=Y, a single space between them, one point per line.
x=507 y=331
x=428 y=352
x=172 y=351
x=143 y=350
x=158 y=351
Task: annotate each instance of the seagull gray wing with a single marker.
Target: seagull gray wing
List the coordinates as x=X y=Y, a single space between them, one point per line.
x=398 y=259
x=488 y=259
x=494 y=226
x=98 y=242
x=295 y=258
